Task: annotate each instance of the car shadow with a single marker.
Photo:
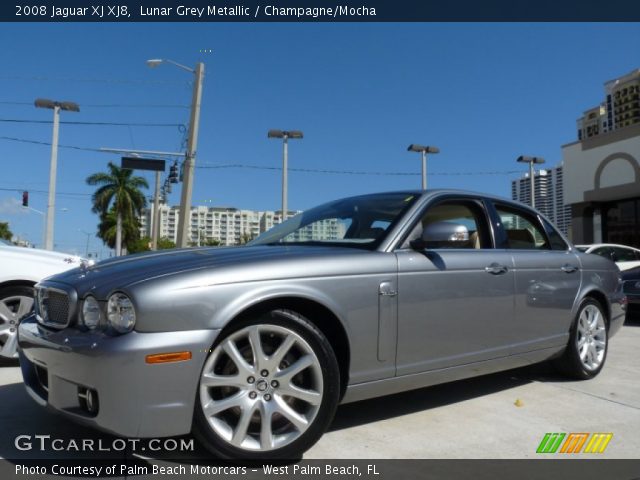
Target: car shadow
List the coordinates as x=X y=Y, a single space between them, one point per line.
x=23 y=421
x=21 y=416
x=9 y=362
x=632 y=320
x=397 y=405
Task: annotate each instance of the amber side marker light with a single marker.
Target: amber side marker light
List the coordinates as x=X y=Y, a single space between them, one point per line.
x=168 y=357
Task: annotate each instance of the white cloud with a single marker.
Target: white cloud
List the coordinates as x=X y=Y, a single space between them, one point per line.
x=12 y=206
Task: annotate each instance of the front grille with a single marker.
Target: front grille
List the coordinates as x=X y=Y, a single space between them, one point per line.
x=54 y=306
x=57 y=306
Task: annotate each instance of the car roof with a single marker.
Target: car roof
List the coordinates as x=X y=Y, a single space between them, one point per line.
x=598 y=245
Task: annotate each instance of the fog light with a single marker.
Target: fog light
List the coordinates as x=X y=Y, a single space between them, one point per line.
x=88 y=400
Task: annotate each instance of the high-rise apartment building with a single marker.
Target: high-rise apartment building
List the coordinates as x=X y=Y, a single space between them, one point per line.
x=621 y=107
x=229 y=226
x=549 y=195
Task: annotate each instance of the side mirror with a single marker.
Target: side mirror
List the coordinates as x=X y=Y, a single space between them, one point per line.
x=442 y=235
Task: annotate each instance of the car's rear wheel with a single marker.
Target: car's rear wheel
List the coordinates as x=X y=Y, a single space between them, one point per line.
x=268 y=389
x=588 y=342
x=15 y=303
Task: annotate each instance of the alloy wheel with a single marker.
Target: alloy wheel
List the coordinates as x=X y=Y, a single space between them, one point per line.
x=261 y=388
x=12 y=310
x=591 y=338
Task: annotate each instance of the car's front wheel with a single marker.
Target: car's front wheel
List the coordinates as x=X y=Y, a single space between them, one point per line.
x=588 y=342
x=15 y=303
x=268 y=389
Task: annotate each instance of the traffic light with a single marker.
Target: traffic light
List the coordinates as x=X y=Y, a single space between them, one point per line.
x=25 y=199
x=173 y=173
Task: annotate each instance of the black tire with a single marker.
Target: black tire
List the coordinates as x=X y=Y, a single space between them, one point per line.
x=6 y=293
x=570 y=363
x=324 y=411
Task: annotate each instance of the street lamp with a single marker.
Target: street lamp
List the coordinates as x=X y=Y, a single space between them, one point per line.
x=423 y=150
x=285 y=135
x=531 y=161
x=190 y=156
x=51 y=204
x=88 y=234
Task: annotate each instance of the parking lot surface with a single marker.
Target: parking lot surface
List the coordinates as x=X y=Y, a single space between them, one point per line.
x=499 y=416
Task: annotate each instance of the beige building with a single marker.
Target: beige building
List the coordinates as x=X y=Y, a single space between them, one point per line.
x=602 y=169
x=229 y=226
x=602 y=185
x=620 y=109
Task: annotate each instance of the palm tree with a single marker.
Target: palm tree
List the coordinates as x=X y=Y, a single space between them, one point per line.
x=119 y=191
x=5 y=233
x=107 y=231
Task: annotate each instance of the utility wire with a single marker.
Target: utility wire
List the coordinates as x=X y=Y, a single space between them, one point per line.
x=304 y=170
x=31 y=190
x=109 y=105
x=113 y=124
x=36 y=142
x=94 y=80
x=350 y=172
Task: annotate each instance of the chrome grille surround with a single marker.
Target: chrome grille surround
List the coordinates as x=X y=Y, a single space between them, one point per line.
x=55 y=304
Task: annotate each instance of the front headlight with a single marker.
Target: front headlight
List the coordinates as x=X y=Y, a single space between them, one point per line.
x=120 y=313
x=90 y=312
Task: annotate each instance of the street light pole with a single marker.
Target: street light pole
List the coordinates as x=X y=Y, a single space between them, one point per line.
x=531 y=161
x=155 y=233
x=187 y=186
x=88 y=234
x=51 y=203
x=285 y=135
x=423 y=150
x=190 y=157
x=285 y=177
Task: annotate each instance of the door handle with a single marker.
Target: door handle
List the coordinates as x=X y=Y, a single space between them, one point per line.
x=386 y=290
x=496 y=269
x=566 y=268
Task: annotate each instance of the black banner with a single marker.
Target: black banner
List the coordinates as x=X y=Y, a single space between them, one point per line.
x=320 y=11
x=142 y=469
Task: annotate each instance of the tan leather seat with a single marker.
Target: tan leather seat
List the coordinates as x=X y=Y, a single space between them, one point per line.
x=521 y=238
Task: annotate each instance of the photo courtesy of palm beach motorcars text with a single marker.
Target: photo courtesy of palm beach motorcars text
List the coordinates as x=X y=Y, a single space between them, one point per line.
x=306 y=239
x=197 y=471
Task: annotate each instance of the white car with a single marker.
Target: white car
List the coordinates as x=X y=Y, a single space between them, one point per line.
x=624 y=256
x=20 y=269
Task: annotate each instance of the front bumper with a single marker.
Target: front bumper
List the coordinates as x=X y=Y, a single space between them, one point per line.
x=135 y=399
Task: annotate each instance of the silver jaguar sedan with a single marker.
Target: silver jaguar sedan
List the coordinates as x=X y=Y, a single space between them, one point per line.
x=252 y=348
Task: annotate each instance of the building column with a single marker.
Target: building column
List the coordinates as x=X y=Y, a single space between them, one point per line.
x=597 y=226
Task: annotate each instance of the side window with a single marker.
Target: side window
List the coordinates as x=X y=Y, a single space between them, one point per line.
x=523 y=230
x=605 y=252
x=466 y=216
x=624 y=254
x=557 y=243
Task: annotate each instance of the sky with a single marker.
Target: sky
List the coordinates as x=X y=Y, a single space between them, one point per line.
x=361 y=93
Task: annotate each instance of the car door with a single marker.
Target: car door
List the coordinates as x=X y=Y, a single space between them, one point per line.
x=455 y=301
x=547 y=277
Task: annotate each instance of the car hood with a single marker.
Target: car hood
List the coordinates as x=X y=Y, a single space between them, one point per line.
x=254 y=263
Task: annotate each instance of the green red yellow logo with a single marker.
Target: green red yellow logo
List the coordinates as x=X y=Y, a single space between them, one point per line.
x=574 y=442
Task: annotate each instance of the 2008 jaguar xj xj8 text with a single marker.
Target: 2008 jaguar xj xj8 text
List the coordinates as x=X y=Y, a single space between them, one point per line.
x=252 y=348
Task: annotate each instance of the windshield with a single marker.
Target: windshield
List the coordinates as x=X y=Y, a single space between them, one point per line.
x=582 y=249
x=360 y=222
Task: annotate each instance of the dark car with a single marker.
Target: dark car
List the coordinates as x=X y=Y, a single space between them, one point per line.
x=631 y=287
